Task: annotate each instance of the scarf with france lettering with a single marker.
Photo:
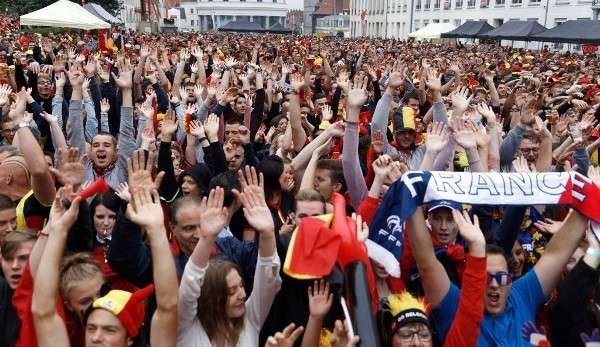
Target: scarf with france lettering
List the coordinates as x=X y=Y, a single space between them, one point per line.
x=416 y=188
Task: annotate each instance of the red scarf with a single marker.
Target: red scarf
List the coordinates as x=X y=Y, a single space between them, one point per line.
x=103 y=171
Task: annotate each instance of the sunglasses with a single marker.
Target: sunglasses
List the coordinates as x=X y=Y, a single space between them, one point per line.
x=502 y=278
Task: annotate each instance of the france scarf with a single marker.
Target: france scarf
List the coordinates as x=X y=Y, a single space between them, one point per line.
x=416 y=188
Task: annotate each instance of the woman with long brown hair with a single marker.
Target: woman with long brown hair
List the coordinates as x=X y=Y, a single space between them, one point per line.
x=212 y=308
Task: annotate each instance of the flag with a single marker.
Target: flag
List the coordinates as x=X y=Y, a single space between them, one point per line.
x=416 y=188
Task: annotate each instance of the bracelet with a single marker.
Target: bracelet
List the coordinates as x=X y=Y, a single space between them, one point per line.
x=594 y=253
x=202 y=139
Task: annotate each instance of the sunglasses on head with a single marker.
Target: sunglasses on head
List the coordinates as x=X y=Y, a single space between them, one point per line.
x=502 y=278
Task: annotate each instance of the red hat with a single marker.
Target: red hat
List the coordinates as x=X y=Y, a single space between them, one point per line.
x=127 y=307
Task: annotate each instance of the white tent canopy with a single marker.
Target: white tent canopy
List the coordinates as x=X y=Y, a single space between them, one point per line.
x=432 y=31
x=64 y=14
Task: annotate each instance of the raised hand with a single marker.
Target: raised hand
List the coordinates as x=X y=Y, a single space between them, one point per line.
x=470 y=231
x=396 y=79
x=146 y=110
x=548 y=226
x=5 y=91
x=50 y=118
x=319 y=299
x=124 y=81
x=256 y=211
x=286 y=338
x=17 y=108
x=70 y=169
x=145 y=209
x=460 y=98
x=343 y=81
x=486 y=112
x=520 y=165
x=297 y=82
x=122 y=192
x=76 y=76
x=377 y=141
x=382 y=165
x=327 y=112
x=341 y=334
x=213 y=216
x=434 y=82
x=169 y=127
x=362 y=228
x=250 y=181
x=197 y=129
x=211 y=127
x=357 y=96
x=139 y=171
x=465 y=133
x=437 y=136
x=61 y=218
x=104 y=105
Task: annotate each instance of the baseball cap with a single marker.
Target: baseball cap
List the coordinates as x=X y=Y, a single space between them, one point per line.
x=453 y=205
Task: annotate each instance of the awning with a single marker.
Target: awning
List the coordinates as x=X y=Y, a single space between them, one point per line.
x=101 y=13
x=64 y=14
x=469 y=30
x=515 y=30
x=582 y=31
x=432 y=31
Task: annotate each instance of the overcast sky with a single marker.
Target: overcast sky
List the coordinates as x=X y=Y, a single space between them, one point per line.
x=296 y=4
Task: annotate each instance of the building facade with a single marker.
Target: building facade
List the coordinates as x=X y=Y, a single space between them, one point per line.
x=207 y=15
x=130 y=14
x=398 y=18
x=334 y=25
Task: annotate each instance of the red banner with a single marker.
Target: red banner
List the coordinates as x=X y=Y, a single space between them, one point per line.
x=589 y=49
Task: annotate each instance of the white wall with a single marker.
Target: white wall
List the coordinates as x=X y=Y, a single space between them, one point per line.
x=399 y=12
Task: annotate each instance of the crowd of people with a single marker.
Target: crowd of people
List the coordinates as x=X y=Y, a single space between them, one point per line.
x=154 y=189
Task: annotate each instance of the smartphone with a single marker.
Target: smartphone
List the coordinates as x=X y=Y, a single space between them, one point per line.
x=596 y=230
x=348 y=320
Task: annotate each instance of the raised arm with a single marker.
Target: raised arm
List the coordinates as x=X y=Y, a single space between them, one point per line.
x=50 y=329
x=146 y=211
x=127 y=143
x=465 y=327
x=562 y=245
x=298 y=133
x=267 y=280
x=213 y=219
x=41 y=180
x=75 y=132
x=435 y=279
x=353 y=176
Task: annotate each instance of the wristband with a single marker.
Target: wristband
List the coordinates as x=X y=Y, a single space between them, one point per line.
x=594 y=253
x=202 y=139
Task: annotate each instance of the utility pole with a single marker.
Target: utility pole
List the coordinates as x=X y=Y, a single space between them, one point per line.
x=546 y=13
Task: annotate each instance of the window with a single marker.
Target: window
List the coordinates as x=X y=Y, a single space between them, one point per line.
x=457 y=23
x=436 y=4
x=418 y=6
x=427 y=4
x=192 y=22
x=447 y=4
x=516 y=2
x=500 y=2
x=459 y=3
x=532 y=19
x=484 y=4
x=191 y=10
x=534 y=2
x=470 y=3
